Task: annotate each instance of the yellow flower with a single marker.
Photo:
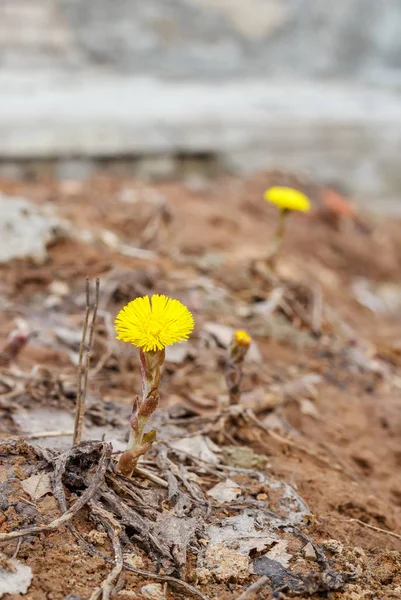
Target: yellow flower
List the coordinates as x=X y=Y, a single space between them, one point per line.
x=287 y=198
x=242 y=338
x=153 y=323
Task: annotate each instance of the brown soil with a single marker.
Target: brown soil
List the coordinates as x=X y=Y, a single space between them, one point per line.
x=337 y=445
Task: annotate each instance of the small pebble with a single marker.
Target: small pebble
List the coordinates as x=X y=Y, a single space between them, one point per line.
x=262 y=497
x=154 y=591
x=97 y=537
x=59 y=288
x=309 y=552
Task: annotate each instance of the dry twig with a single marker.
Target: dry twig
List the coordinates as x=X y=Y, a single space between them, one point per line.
x=151 y=476
x=82 y=386
x=255 y=587
x=45 y=434
x=113 y=529
x=378 y=529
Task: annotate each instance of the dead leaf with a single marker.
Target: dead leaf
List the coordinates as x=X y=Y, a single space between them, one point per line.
x=68 y=337
x=37 y=485
x=225 y=491
x=198 y=446
x=279 y=553
x=308 y=408
x=243 y=457
x=302 y=386
x=259 y=400
x=220 y=333
x=244 y=532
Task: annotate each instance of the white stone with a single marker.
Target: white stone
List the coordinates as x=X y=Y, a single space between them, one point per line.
x=154 y=591
x=309 y=552
x=15 y=578
x=25 y=231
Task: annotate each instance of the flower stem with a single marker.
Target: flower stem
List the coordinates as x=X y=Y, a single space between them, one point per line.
x=139 y=441
x=233 y=372
x=278 y=238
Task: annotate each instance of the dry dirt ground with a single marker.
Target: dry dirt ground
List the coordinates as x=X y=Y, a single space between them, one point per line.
x=321 y=391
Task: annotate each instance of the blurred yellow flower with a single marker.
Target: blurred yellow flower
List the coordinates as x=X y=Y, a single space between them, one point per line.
x=242 y=338
x=287 y=198
x=154 y=323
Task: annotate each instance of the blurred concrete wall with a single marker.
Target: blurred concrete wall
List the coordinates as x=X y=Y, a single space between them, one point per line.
x=207 y=38
x=307 y=84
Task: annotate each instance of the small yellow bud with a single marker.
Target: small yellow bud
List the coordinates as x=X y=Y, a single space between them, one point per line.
x=242 y=338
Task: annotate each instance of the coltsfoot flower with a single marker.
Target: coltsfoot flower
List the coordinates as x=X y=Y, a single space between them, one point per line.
x=151 y=324
x=154 y=323
x=287 y=198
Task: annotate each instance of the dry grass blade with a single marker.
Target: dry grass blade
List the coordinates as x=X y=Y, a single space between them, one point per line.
x=82 y=386
x=151 y=476
x=94 y=485
x=89 y=354
x=114 y=530
x=36 y=436
x=374 y=528
x=255 y=587
x=78 y=414
x=46 y=434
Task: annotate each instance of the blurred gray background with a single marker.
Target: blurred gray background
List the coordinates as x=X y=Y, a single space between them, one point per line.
x=310 y=85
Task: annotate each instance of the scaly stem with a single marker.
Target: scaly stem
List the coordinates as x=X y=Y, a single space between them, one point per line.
x=139 y=441
x=233 y=372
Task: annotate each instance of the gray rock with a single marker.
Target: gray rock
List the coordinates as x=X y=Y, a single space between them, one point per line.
x=153 y=591
x=15 y=578
x=74 y=169
x=309 y=552
x=25 y=231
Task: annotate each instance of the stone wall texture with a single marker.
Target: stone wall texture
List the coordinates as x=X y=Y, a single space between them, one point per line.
x=207 y=38
x=309 y=84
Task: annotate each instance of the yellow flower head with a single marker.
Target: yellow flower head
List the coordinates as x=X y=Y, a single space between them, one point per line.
x=287 y=198
x=242 y=338
x=153 y=323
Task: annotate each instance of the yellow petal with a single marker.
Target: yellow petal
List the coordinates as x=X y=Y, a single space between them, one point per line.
x=154 y=323
x=287 y=198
